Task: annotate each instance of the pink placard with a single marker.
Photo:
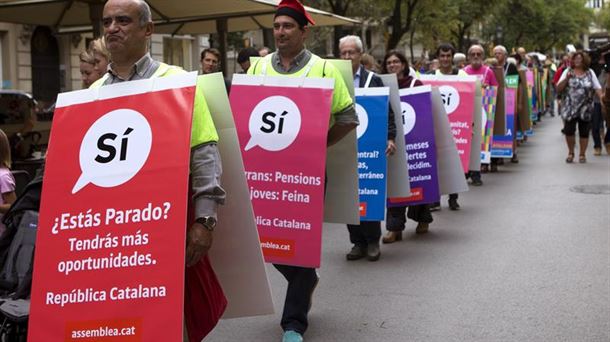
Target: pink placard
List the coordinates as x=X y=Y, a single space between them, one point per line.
x=458 y=99
x=282 y=135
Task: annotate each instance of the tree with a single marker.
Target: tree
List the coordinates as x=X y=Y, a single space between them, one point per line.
x=468 y=13
x=399 y=26
x=432 y=26
x=541 y=24
x=362 y=9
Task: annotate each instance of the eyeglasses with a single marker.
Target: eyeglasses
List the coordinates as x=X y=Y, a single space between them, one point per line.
x=474 y=54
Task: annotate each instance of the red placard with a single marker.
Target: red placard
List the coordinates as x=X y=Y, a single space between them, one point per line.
x=109 y=263
x=282 y=134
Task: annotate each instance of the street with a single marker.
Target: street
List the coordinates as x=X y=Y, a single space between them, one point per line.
x=525 y=259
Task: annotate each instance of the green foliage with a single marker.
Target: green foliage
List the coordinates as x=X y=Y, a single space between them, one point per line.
x=535 y=24
x=540 y=24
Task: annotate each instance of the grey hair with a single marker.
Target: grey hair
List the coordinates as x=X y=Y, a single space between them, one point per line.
x=476 y=46
x=459 y=57
x=501 y=48
x=145 y=13
x=354 y=39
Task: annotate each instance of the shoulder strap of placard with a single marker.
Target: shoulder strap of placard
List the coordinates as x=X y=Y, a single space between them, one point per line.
x=368 y=79
x=161 y=70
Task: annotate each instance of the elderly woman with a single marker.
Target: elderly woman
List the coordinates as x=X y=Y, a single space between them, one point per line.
x=396 y=63
x=580 y=85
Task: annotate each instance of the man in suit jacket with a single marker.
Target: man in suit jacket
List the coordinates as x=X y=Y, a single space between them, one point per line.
x=366 y=235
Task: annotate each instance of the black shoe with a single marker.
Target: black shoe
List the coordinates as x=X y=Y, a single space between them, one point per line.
x=453 y=204
x=477 y=182
x=436 y=206
x=422 y=228
x=372 y=252
x=356 y=253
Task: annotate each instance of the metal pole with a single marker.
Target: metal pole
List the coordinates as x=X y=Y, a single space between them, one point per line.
x=95 y=13
x=221 y=29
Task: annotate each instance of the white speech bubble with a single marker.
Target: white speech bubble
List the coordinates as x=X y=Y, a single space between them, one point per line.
x=408 y=117
x=114 y=149
x=363 y=118
x=451 y=98
x=274 y=124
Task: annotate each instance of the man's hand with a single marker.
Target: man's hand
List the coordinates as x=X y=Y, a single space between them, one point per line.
x=391 y=148
x=198 y=242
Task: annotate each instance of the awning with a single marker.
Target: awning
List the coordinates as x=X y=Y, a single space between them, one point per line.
x=174 y=17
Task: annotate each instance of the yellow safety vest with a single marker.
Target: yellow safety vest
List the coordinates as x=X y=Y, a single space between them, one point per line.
x=316 y=67
x=203 y=129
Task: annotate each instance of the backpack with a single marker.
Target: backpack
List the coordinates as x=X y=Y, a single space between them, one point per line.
x=16 y=274
x=18 y=240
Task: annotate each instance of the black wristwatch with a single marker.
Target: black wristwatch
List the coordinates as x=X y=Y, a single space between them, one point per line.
x=209 y=222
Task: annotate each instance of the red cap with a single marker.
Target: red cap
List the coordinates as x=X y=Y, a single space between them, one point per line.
x=295 y=10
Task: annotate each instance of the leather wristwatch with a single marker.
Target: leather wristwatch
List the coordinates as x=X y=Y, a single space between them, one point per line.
x=209 y=222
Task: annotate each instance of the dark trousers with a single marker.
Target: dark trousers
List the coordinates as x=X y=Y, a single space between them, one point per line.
x=597 y=124
x=364 y=233
x=569 y=128
x=475 y=175
x=301 y=283
x=397 y=220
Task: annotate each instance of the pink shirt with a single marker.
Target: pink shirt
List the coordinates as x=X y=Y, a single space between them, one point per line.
x=7 y=184
x=484 y=73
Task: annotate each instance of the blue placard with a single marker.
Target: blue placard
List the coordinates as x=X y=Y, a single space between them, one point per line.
x=372 y=164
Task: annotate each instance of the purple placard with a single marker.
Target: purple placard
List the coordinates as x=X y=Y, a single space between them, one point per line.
x=416 y=105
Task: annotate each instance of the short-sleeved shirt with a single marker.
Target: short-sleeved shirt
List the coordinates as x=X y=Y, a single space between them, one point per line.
x=454 y=71
x=7 y=184
x=594 y=81
x=484 y=73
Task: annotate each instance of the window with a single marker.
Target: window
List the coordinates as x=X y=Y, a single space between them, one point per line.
x=176 y=52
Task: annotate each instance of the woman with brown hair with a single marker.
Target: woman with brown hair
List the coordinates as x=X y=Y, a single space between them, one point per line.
x=395 y=62
x=580 y=85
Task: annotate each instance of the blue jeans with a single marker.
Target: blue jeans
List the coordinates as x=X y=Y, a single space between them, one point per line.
x=597 y=124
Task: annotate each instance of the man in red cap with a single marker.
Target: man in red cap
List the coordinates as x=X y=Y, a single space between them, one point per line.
x=292 y=59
